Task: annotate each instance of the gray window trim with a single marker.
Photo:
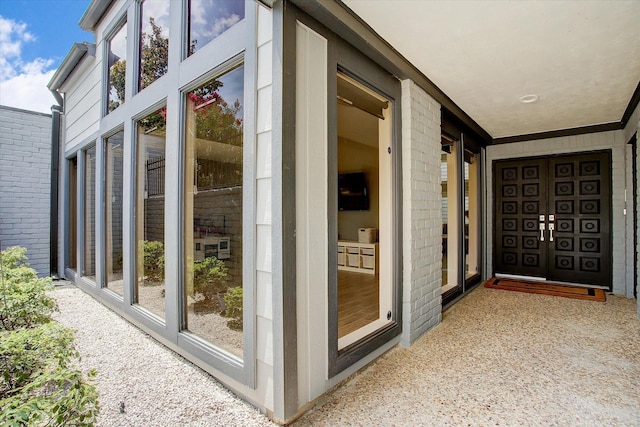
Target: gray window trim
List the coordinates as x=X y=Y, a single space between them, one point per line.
x=65 y=214
x=284 y=297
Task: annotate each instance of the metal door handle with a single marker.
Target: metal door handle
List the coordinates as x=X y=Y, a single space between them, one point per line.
x=542 y=231
x=551 y=228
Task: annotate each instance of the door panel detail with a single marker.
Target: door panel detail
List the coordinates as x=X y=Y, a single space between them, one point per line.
x=553 y=218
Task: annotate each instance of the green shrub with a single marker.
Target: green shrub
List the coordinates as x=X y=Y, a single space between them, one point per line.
x=24 y=301
x=209 y=277
x=38 y=385
x=233 y=303
x=153 y=261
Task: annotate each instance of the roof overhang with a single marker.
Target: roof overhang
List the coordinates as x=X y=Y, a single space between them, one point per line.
x=94 y=14
x=76 y=54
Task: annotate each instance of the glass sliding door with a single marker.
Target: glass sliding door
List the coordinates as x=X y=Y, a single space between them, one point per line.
x=71 y=258
x=460 y=181
x=471 y=215
x=150 y=188
x=365 y=283
x=114 y=187
x=89 y=258
x=449 y=172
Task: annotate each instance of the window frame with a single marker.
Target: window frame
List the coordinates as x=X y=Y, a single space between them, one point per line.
x=239 y=368
x=121 y=22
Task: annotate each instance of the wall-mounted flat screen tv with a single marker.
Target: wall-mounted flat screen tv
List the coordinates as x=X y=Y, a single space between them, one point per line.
x=353 y=194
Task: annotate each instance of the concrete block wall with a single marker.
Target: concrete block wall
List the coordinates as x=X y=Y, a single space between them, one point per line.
x=25 y=183
x=422 y=215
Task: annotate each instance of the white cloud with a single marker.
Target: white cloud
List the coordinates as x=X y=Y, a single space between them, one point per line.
x=22 y=84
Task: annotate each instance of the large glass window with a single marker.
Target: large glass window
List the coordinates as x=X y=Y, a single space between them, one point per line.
x=460 y=180
x=210 y=18
x=213 y=211
x=150 y=177
x=72 y=212
x=449 y=180
x=89 y=267
x=114 y=186
x=471 y=214
x=154 y=41
x=117 y=61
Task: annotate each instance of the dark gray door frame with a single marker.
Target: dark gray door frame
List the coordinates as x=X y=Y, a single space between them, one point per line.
x=345 y=58
x=634 y=173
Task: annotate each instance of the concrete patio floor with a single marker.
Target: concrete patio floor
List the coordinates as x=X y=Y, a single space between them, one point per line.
x=503 y=358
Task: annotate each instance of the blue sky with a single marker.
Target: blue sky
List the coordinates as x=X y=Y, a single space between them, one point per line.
x=35 y=36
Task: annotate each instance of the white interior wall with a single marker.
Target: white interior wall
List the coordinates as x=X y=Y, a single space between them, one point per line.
x=357 y=157
x=613 y=140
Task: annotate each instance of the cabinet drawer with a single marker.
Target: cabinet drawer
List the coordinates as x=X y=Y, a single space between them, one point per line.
x=353 y=260
x=368 y=262
x=353 y=250
x=368 y=251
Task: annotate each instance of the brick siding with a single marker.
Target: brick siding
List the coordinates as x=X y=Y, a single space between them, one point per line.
x=25 y=183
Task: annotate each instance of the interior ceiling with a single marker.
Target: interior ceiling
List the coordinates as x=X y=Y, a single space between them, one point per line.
x=581 y=58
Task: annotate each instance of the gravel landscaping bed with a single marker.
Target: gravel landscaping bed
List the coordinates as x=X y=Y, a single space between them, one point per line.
x=153 y=385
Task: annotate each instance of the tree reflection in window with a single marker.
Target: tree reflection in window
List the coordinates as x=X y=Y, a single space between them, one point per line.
x=210 y=18
x=117 y=68
x=219 y=163
x=154 y=41
x=213 y=211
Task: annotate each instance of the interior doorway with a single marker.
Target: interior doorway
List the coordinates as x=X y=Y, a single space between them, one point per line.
x=365 y=214
x=553 y=218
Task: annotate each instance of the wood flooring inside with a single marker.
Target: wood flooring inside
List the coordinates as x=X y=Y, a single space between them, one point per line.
x=358 y=301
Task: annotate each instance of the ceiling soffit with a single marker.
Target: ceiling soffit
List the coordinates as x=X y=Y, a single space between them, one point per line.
x=581 y=59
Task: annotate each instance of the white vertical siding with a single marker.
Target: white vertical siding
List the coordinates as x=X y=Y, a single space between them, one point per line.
x=264 y=312
x=82 y=94
x=311 y=211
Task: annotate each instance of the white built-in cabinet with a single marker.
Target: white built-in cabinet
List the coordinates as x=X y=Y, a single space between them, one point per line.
x=357 y=257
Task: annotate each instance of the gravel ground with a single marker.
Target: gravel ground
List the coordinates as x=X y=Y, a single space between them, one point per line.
x=503 y=358
x=498 y=358
x=158 y=387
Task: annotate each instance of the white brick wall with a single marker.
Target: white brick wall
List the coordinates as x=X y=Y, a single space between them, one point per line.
x=422 y=216
x=25 y=183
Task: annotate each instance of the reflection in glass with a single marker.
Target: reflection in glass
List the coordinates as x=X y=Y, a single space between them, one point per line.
x=89 y=267
x=213 y=211
x=117 y=58
x=210 y=18
x=471 y=214
x=450 y=212
x=72 y=206
x=154 y=41
x=150 y=176
x=114 y=186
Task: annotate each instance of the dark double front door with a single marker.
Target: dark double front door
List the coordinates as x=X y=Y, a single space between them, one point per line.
x=552 y=218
